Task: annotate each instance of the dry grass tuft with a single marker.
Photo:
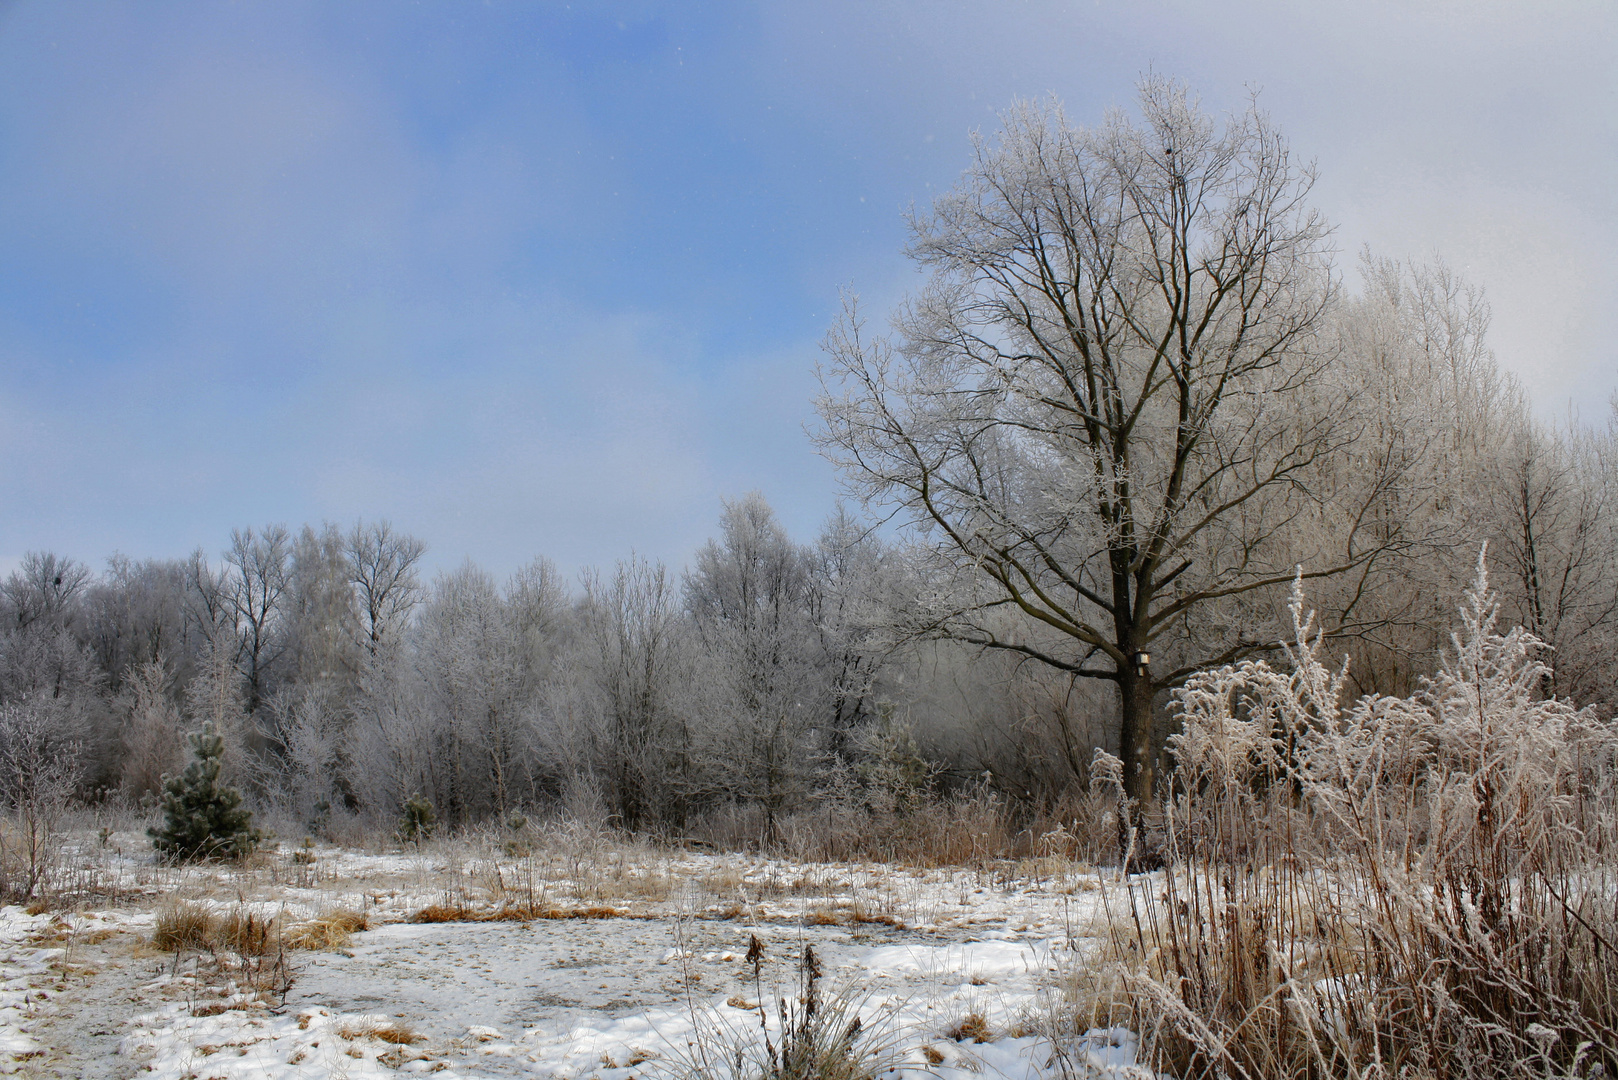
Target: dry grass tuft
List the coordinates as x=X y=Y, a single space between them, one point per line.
x=388 y=1031
x=440 y=913
x=653 y=885
x=722 y=881
x=331 y=930
x=860 y=915
x=972 y=1026
x=186 y=925
x=248 y=934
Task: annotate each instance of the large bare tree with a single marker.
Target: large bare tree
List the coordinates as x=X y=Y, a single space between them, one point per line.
x=1109 y=410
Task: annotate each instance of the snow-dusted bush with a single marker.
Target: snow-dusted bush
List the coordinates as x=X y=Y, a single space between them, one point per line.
x=1419 y=885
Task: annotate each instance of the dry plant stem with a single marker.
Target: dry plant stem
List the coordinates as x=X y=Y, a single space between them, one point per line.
x=690 y=997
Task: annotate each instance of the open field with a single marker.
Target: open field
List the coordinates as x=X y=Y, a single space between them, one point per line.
x=579 y=956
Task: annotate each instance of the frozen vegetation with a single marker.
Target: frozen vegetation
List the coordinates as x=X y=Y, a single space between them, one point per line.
x=1130 y=724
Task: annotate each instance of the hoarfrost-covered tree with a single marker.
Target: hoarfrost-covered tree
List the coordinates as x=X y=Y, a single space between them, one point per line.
x=635 y=656
x=260 y=565
x=320 y=617
x=1470 y=465
x=382 y=570
x=851 y=575
x=1105 y=411
x=39 y=769
x=1559 y=543
x=46 y=587
x=748 y=595
x=1433 y=407
x=45 y=667
x=537 y=604
x=470 y=658
x=151 y=744
x=135 y=614
x=390 y=738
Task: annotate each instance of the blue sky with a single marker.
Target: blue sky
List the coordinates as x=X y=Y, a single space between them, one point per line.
x=550 y=278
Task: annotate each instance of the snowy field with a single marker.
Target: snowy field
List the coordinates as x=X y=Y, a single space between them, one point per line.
x=606 y=961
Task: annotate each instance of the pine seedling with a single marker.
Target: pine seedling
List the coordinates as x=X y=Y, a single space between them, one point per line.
x=203 y=818
x=418 y=820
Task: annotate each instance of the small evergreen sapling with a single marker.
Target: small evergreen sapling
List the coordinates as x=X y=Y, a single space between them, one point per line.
x=418 y=820
x=204 y=819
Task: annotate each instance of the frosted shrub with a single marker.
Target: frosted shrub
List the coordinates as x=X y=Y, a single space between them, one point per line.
x=1419 y=886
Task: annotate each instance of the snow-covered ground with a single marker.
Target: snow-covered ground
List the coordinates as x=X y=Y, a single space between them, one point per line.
x=641 y=969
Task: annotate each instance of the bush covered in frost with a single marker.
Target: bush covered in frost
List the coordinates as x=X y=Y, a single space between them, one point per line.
x=1416 y=886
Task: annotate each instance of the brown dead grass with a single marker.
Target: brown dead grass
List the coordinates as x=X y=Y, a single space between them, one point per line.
x=723 y=881
x=653 y=885
x=972 y=1026
x=187 y=925
x=390 y=1031
x=525 y=913
x=331 y=930
x=247 y=934
x=862 y=916
x=443 y=913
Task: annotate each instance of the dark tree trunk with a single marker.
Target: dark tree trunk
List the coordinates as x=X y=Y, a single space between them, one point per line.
x=1135 y=693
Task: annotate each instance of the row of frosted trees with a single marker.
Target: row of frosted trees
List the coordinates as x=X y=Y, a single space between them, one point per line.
x=345 y=684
